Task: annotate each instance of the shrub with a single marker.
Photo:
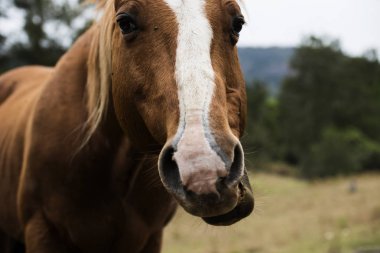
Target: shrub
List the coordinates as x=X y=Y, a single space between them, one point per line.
x=340 y=152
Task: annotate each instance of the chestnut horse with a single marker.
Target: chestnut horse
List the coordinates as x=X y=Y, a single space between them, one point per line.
x=143 y=112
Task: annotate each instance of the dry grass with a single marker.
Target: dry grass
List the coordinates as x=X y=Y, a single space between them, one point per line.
x=291 y=216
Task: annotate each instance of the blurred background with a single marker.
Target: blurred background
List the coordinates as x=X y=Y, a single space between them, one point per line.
x=313 y=136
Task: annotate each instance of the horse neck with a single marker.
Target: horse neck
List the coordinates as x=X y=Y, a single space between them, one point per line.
x=109 y=152
x=68 y=85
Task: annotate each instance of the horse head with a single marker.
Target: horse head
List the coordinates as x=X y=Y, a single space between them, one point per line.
x=176 y=82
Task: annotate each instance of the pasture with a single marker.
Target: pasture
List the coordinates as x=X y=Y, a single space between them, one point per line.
x=291 y=216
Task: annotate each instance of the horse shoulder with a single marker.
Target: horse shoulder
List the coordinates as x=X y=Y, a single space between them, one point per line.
x=68 y=185
x=19 y=90
x=22 y=77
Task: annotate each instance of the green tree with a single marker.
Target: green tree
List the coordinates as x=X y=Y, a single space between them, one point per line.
x=48 y=26
x=327 y=89
x=261 y=138
x=340 y=152
x=305 y=98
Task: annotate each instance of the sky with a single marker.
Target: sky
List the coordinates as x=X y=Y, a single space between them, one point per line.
x=356 y=23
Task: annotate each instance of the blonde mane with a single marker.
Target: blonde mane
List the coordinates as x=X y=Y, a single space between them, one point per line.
x=99 y=69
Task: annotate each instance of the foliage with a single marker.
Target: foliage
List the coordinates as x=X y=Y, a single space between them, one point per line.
x=340 y=152
x=325 y=119
x=262 y=127
x=327 y=89
x=49 y=29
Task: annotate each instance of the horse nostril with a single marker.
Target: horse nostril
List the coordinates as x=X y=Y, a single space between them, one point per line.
x=168 y=169
x=237 y=166
x=203 y=179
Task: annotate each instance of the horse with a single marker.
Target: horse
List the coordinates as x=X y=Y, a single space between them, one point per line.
x=142 y=114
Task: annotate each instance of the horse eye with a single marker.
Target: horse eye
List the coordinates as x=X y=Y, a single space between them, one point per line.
x=126 y=23
x=237 y=24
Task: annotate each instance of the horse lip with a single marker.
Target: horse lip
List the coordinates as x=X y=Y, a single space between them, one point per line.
x=207 y=205
x=243 y=209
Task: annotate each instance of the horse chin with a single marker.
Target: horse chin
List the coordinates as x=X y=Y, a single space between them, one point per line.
x=243 y=209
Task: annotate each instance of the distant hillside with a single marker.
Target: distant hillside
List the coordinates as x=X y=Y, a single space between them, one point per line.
x=266 y=64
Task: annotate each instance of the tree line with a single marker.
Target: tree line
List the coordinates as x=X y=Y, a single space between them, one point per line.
x=326 y=119
x=40 y=42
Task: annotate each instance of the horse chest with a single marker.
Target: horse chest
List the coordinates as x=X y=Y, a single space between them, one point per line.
x=105 y=220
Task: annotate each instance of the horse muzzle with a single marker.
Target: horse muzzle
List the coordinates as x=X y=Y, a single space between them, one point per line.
x=205 y=186
x=243 y=208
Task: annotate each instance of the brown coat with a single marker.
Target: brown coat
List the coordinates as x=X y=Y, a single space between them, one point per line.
x=92 y=199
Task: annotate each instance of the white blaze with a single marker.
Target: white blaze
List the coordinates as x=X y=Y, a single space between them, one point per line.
x=199 y=164
x=194 y=72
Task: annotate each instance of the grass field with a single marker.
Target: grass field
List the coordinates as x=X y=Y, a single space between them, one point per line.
x=291 y=216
